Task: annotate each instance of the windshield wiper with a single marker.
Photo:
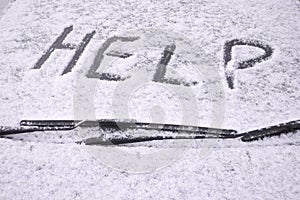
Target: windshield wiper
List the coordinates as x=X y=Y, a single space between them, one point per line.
x=271 y=131
x=180 y=131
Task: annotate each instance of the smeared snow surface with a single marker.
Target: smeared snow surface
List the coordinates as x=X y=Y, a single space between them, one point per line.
x=51 y=165
x=3 y=5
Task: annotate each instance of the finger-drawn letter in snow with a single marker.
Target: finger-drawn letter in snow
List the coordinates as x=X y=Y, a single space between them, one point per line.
x=231 y=66
x=58 y=44
x=92 y=73
x=148 y=65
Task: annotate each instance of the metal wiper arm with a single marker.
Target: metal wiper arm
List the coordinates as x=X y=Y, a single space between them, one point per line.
x=191 y=132
x=127 y=124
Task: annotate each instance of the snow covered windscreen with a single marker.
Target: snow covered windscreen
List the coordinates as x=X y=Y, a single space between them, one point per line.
x=106 y=69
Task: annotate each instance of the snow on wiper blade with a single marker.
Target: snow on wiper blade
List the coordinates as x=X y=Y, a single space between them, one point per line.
x=271 y=131
x=7 y=130
x=62 y=123
x=48 y=123
x=117 y=141
x=129 y=124
x=175 y=131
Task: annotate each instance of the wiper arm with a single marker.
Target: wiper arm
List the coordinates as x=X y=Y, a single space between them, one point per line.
x=182 y=131
x=117 y=124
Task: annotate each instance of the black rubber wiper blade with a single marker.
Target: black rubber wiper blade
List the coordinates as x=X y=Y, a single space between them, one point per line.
x=128 y=124
x=6 y=130
x=180 y=131
x=122 y=124
x=118 y=141
x=50 y=123
x=271 y=131
x=164 y=127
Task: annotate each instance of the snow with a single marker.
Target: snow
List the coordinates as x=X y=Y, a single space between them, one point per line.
x=39 y=170
x=3 y=5
x=51 y=165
